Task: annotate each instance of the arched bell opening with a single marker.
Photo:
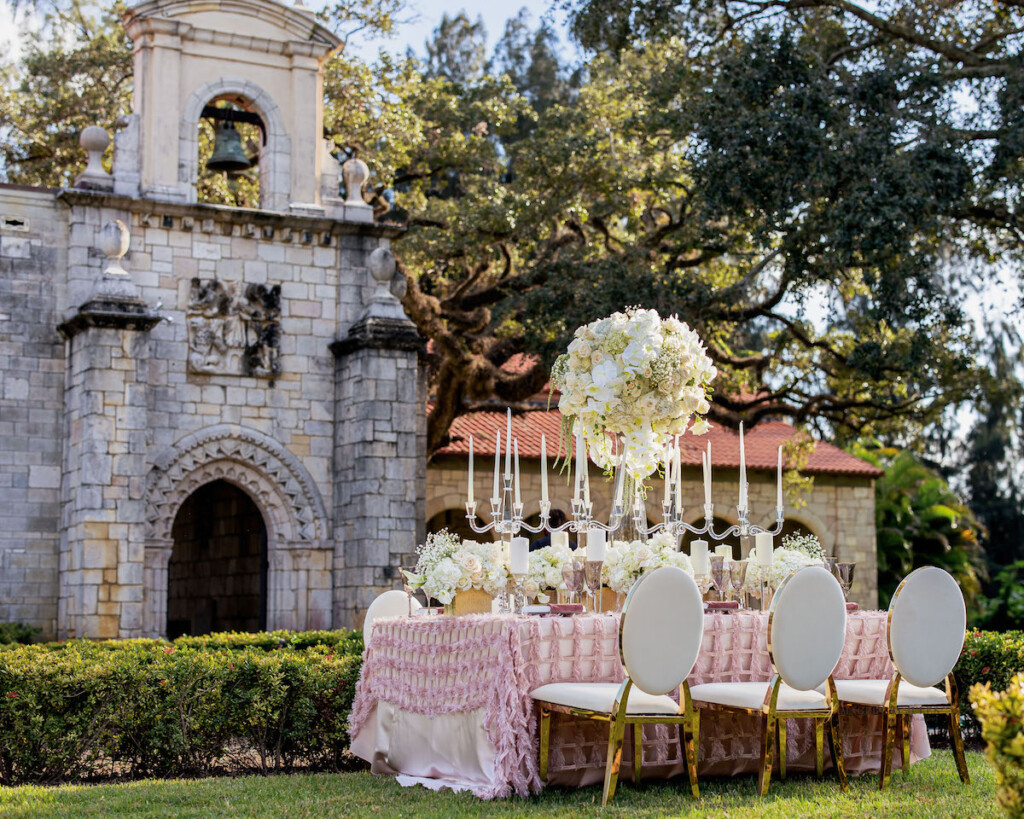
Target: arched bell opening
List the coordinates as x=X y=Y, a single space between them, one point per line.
x=217 y=573
x=231 y=139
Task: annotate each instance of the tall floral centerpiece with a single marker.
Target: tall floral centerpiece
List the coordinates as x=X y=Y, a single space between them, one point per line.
x=636 y=377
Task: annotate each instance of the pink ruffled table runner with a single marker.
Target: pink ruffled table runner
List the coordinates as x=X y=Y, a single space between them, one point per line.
x=485 y=666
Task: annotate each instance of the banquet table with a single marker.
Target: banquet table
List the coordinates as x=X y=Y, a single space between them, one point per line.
x=445 y=700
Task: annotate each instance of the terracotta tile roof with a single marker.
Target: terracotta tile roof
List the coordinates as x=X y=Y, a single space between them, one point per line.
x=761 y=443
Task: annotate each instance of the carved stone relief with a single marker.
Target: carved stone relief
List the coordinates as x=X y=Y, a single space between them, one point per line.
x=234 y=329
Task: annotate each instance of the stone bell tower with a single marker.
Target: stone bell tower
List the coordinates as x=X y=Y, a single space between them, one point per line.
x=234 y=433
x=264 y=56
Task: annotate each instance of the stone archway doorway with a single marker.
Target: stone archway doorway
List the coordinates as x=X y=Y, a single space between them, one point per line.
x=217 y=574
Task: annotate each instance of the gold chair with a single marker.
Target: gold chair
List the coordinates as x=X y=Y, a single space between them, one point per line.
x=926 y=627
x=806 y=631
x=660 y=633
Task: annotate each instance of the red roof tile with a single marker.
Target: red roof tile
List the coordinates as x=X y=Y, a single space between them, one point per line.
x=761 y=444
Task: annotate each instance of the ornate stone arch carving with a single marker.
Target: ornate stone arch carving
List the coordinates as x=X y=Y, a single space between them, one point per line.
x=275 y=156
x=275 y=479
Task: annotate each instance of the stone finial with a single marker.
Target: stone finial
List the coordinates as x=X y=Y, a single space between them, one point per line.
x=383 y=304
x=355 y=173
x=94 y=140
x=113 y=241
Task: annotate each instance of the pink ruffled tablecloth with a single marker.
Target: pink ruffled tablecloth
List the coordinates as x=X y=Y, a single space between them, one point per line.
x=447 y=699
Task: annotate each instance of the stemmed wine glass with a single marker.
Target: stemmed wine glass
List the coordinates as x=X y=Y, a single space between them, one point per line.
x=718 y=574
x=844 y=574
x=410 y=592
x=830 y=564
x=737 y=576
x=572 y=574
x=592 y=581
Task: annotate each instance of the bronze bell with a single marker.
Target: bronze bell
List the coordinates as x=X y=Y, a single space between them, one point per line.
x=227 y=151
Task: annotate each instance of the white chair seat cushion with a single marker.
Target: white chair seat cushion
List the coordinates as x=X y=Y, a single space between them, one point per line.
x=752 y=694
x=600 y=697
x=872 y=692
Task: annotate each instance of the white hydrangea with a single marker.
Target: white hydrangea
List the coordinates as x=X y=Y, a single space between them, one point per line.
x=625 y=563
x=636 y=375
x=544 y=573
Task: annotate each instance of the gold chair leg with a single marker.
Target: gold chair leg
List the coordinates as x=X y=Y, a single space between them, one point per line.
x=616 y=731
x=819 y=746
x=638 y=750
x=888 y=741
x=545 y=739
x=780 y=735
x=905 y=745
x=957 y=740
x=767 y=752
x=689 y=733
x=836 y=746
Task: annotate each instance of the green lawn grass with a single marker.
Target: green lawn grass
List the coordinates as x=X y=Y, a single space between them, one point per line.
x=933 y=790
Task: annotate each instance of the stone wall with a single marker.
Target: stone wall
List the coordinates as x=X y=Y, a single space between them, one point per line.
x=33 y=252
x=840 y=510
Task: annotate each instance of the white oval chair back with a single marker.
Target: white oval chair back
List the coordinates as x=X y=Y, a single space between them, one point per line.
x=807 y=627
x=394 y=603
x=927 y=624
x=662 y=629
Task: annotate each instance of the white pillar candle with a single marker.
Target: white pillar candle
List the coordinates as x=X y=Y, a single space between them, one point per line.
x=469 y=493
x=724 y=550
x=763 y=548
x=519 y=500
x=543 y=470
x=495 y=497
x=778 y=501
x=596 y=544
x=519 y=558
x=508 y=445
x=699 y=557
x=560 y=540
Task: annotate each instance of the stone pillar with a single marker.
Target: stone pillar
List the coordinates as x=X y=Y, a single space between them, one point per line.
x=154 y=581
x=102 y=540
x=379 y=451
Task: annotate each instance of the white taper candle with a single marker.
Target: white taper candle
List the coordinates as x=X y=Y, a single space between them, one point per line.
x=778 y=501
x=495 y=497
x=543 y=470
x=469 y=493
x=508 y=445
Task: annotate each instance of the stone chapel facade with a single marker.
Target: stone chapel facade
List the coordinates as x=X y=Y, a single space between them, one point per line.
x=210 y=417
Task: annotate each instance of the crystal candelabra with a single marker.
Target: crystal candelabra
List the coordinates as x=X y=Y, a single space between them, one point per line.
x=507 y=518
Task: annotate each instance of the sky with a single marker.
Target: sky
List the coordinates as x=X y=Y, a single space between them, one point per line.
x=424 y=16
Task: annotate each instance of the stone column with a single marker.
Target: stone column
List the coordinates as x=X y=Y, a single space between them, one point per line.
x=102 y=540
x=154 y=582
x=379 y=451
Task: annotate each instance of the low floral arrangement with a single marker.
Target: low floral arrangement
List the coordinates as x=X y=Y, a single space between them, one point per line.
x=796 y=552
x=448 y=565
x=625 y=563
x=638 y=376
x=1002 y=728
x=544 y=573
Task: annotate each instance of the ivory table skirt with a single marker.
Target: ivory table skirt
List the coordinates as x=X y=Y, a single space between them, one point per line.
x=447 y=699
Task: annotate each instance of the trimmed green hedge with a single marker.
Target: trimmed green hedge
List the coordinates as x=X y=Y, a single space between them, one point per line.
x=988 y=657
x=134 y=708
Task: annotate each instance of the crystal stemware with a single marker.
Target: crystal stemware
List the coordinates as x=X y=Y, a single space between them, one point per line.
x=737 y=576
x=592 y=581
x=572 y=574
x=844 y=574
x=410 y=592
x=718 y=574
x=830 y=564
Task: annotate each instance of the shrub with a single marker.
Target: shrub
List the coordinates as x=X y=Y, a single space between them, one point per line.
x=149 y=707
x=1002 y=728
x=988 y=657
x=15 y=633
